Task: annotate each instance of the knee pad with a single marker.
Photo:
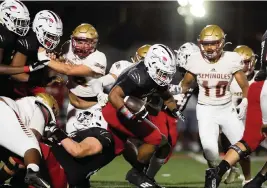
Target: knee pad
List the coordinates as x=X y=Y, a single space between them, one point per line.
x=242 y=154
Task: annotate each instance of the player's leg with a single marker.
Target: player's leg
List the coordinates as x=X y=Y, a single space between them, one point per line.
x=208 y=133
x=251 y=138
x=20 y=140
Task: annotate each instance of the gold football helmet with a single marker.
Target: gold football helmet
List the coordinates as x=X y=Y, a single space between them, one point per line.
x=249 y=58
x=211 y=41
x=50 y=101
x=84 y=40
x=140 y=53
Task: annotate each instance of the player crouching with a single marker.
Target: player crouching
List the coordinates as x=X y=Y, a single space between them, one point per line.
x=17 y=120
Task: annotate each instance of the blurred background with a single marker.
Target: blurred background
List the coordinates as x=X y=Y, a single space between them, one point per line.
x=125 y=26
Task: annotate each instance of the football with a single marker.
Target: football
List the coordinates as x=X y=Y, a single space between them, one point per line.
x=134 y=104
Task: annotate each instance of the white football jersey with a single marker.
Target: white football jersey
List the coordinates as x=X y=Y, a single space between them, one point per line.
x=214 y=79
x=28 y=111
x=96 y=61
x=118 y=67
x=236 y=90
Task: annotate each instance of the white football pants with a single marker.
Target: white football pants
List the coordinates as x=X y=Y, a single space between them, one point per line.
x=14 y=135
x=213 y=118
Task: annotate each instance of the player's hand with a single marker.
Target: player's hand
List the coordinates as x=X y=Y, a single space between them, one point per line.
x=242 y=108
x=177 y=113
x=52 y=56
x=175 y=89
x=42 y=55
x=38 y=65
x=54 y=133
x=140 y=115
x=261 y=75
x=102 y=98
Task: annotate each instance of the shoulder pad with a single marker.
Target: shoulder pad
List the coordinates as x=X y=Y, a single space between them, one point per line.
x=6 y=39
x=27 y=43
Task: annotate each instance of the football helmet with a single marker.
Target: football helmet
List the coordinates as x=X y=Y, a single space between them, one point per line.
x=50 y=101
x=48 y=28
x=211 y=41
x=248 y=57
x=160 y=64
x=15 y=16
x=184 y=52
x=140 y=53
x=84 y=40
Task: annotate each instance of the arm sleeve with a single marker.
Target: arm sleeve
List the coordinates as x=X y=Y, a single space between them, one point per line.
x=263 y=59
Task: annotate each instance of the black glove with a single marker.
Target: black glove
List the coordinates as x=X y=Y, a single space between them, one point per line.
x=57 y=134
x=261 y=75
x=177 y=113
x=38 y=65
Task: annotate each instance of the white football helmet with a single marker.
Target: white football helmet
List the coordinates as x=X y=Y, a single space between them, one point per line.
x=48 y=28
x=184 y=52
x=15 y=16
x=160 y=63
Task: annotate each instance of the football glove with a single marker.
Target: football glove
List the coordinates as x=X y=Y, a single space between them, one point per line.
x=242 y=108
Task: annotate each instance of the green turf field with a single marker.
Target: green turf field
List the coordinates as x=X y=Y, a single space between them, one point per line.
x=183 y=170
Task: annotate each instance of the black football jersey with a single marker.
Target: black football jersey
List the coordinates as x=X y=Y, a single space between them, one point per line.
x=136 y=82
x=28 y=45
x=78 y=169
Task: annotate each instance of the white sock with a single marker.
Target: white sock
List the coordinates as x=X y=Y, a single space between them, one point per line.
x=34 y=167
x=154 y=166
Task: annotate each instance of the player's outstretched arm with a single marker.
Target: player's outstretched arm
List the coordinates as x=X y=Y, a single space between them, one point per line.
x=116 y=97
x=89 y=146
x=242 y=82
x=186 y=82
x=6 y=69
x=19 y=60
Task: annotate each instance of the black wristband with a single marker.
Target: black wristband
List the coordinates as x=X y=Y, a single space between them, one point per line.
x=59 y=135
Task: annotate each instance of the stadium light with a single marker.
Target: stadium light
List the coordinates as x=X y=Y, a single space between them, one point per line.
x=183 y=3
x=198 y=11
x=195 y=2
x=182 y=11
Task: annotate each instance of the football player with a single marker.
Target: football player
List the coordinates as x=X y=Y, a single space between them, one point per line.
x=142 y=80
x=214 y=69
x=256 y=119
x=80 y=155
x=46 y=31
x=26 y=119
x=15 y=20
x=83 y=64
x=249 y=59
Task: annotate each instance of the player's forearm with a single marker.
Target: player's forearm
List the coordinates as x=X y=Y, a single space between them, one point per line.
x=244 y=92
x=23 y=77
x=115 y=97
x=108 y=79
x=72 y=147
x=5 y=69
x=171 y=104
x=60 y=67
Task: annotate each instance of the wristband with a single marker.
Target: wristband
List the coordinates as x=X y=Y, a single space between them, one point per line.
x=26 y=69
x=126 y=112
x=60 y=135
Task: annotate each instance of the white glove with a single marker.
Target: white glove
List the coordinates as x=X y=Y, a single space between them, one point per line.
x=102 y=99
x=175 y=89
x=242 y=108
x=42 y=56
x=38 y=65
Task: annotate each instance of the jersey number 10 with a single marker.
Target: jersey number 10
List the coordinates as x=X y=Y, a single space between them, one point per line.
x=220 y=88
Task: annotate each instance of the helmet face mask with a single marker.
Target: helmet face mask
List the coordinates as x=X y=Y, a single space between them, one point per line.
x=84 y=40
x=15 y=16
x=160 y=63
x=82 y=47
x=249 y=58
x=211 y=42
x=48 y=28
